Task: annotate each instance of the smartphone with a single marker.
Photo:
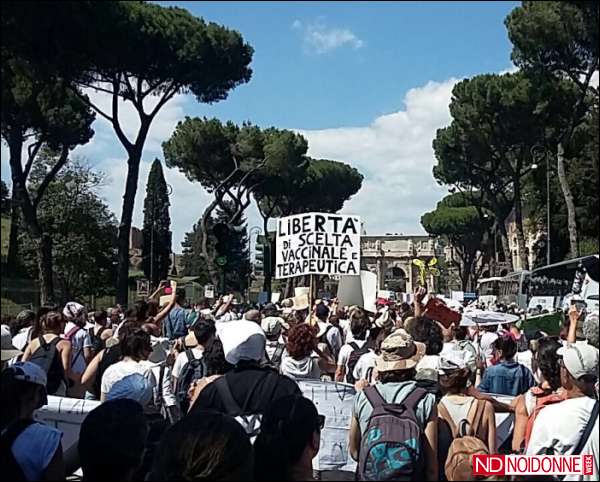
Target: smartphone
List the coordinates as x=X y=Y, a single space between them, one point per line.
x=580 y=305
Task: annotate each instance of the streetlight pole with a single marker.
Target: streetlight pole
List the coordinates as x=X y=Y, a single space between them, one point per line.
x=538 y=151
x=252 y=230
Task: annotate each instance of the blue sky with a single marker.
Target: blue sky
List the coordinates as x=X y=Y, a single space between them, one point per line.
x=367 y=83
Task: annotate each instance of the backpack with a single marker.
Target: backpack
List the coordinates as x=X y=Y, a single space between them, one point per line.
x=98 y=344
x=465 y=442
x=69 y=336
x=326 y=340
x=353 y=359
x=193 y=370
x=10 y=467
x=540 y=402
x=391 y=445
x=250 y=422
x=277 y=355
x=48 y=359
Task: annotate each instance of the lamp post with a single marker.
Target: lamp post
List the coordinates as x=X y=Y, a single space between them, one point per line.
x=169 y=192
x=539 y=152
x=251 y=231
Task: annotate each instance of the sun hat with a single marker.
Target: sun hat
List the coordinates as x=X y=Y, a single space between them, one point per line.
x=399 y=352
x=242 y=340
x=8 y=349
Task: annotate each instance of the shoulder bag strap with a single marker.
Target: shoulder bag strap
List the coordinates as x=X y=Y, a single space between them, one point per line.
x=413 y=398
x=43 y=342
x=353 y=345
x=477 y=417
x=445 y=414
x=231 y=405
x=374 y=397
x=189 y=354
x=588 y=430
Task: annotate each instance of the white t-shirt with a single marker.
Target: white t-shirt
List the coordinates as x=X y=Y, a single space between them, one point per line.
x=487 y=340
x=182 y=360
x=124 y=368
x=34 y=448
x=565 y=423
x=363 y=365
x=346 y=331
x=525 y=358
x=79 y=341
x=345 y=352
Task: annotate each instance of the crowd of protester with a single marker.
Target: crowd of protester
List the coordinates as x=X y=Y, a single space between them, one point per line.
x=211 y=392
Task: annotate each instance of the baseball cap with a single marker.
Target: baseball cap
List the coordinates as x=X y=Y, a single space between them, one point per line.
x=29 y=372
x=133 y=387
x=580 y=359
x=272 y=325
x=451 y=361
x=242 y=340
x=8 y=349
x=399 y=352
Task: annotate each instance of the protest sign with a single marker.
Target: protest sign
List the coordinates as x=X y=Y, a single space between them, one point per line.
x=360 y=291
x=317 y=243
x=67 y=415
x=334 y=400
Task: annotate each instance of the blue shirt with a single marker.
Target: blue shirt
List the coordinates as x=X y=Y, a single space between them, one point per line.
x=507 y=378
x=175 y=326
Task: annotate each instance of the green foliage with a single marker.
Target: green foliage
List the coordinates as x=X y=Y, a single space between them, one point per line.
x=156 y=231
x=82 y=229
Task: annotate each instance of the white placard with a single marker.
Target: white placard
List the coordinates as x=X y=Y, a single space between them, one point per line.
x=209 y=291
x=317 y=243
x=334 y=400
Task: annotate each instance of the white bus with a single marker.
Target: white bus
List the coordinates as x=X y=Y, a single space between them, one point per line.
x=488 y=290
x=513 y=288
x=549 y=285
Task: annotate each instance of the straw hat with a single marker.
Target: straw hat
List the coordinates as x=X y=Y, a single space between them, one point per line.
x=399 y=352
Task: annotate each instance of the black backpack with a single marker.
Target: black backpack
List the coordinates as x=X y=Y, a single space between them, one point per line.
x=48 y=359
x=194 y=369
x=98 y=344
x=353 y=359
x=10 y=467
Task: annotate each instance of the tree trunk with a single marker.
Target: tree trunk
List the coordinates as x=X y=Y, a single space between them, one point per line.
x=566 y=190
x=13 y=240
x=523 y=258
x=213 y=271
x=43 y=245
x=505 y=245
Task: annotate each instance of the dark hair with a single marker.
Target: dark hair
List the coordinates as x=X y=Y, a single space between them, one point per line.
x=397 y=376
x=508 y=346
x=136 y=345
x=51 y=322
x=205 y=445
x=405 y=307
x=428 y=332
x=36 y=329
x=269 y=310
x=13 y=396
x=100 y=316
x=548 y=361
x=301 y=341
x=214 y=358
x=180 y=296
x=359 y=324
x=204 y=330
x=287 y=428
x=112 y=440
x=139 y=312
x=152 y=308
x=454 y=381
x=460 y=332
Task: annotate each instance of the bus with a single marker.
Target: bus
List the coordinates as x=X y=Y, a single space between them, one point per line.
x=513 y=288
x=488 y=290
x=549 y=285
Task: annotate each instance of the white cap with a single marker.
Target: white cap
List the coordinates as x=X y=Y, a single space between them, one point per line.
x=29 y=372
x=242 y=340
x=452 y=360
x=74 y=310
x=579 y=359
x=272 y=325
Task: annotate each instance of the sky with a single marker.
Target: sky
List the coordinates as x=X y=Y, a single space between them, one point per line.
x=367 y=83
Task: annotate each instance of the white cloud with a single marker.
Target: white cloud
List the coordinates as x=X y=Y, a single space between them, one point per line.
x=319 y=38
x=395 y=155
